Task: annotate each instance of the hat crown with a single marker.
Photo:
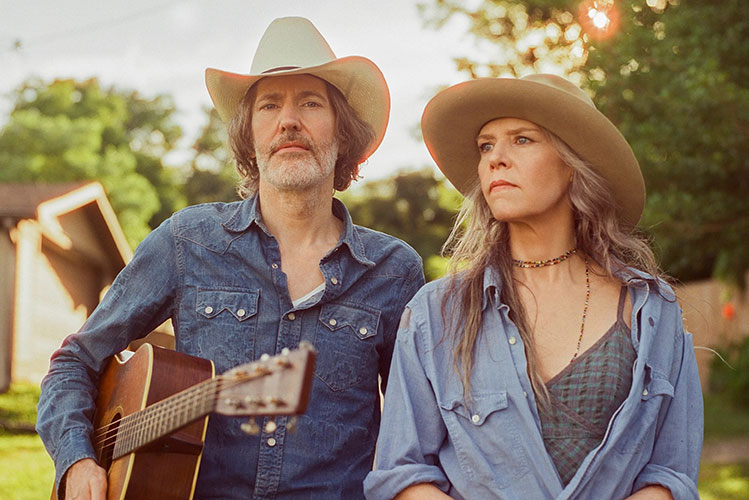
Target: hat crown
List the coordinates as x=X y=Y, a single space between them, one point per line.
x=562 y=84
x=288 y=43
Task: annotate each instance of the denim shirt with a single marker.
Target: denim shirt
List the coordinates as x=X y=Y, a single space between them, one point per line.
x=492 y=448
x=199 y=268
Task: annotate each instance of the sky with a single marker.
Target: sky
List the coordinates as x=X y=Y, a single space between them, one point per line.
x=163 y=47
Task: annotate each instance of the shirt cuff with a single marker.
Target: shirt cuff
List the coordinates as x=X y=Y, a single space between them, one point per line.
x=74 y=446
x=682 y=486
x=386 y=484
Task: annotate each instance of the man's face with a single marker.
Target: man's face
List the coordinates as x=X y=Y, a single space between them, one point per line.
x=293 y=128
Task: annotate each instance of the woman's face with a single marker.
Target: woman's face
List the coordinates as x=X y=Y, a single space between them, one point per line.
x=522 y=177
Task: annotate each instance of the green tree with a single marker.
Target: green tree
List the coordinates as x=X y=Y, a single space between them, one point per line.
x=671 y=75
x=71 y=130
x=212 y=176
x=414 y=206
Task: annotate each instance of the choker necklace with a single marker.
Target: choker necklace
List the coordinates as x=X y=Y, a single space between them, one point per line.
x=544 y=263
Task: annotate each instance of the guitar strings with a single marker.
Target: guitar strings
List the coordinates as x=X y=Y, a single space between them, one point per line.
x=128 y=427
x=173 y=404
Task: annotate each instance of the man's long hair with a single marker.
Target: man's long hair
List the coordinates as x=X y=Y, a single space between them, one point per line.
x=353 y=134
x=479 y=241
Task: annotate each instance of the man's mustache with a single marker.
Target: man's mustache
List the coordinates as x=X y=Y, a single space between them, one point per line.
x=292 y=137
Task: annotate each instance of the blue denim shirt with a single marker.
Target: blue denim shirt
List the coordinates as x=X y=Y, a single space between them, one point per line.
x=493 y=448
x=222 y=255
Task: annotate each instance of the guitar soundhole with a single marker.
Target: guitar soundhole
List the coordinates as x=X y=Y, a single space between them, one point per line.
x=108 y=442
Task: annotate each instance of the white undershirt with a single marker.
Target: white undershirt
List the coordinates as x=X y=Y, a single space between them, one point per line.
x=310 y=297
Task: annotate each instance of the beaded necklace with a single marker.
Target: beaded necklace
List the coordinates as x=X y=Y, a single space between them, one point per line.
x=556 y=260
x=585 y=309
x=544 y=263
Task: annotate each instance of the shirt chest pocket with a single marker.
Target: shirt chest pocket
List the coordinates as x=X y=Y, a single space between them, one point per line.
x=346 y=342
x=487 y=441
x=656 y=391
x=227 y=320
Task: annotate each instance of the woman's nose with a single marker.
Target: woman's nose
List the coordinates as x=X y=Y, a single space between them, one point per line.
x=498 y=157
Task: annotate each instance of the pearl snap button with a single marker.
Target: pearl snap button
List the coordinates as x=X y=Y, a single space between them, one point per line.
x=644 y=392
x=208 y=309
x=291 y=316
x=271 y=442
x=274 y=265
x=512 y=340
x=332 y=322
x=363 y=331
x=241 y=313
x=475 y=419
x=334 y=280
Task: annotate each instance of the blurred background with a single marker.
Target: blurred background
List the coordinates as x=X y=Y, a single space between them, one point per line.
x=106 y=129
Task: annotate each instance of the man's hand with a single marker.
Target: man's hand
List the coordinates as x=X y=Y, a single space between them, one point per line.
x=85 y=480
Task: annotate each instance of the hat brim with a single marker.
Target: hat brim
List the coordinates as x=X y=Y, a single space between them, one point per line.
x=453 y=118
x=360 y=81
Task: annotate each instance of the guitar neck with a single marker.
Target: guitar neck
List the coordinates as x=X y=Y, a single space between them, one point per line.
x=158 y=420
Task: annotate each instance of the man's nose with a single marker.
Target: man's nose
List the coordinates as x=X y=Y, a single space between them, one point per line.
x=289 y=119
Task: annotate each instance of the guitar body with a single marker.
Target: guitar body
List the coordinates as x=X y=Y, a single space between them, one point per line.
x=152 y=413
x=166 y=469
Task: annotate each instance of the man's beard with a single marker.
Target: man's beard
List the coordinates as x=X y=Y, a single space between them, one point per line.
x=300 y=170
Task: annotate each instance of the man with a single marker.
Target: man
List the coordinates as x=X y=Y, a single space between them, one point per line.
x=238 y=280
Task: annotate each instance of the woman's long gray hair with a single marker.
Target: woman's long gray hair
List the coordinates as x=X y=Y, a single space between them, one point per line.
x=479 y=241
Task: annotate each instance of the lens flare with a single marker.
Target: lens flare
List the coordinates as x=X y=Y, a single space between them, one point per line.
x=599 y=18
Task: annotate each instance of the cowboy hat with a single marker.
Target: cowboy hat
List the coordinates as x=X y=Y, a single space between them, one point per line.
x=292 y=46
x=453 y=118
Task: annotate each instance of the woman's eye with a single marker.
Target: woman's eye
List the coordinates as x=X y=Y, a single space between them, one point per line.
x=485 y=147
x=522 y=140
x=311 y=104
x=268 y=106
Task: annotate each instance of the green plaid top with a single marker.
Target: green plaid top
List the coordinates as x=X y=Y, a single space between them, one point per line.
x=584 y=396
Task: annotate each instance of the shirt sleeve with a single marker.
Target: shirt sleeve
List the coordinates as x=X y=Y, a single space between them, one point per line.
x=412 y=428
x=412 y=283
x=136 y=303
x=675 y=460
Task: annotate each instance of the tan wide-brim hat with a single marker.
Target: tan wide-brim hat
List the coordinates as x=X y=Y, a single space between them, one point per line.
x=453 y=118
x=292 y=46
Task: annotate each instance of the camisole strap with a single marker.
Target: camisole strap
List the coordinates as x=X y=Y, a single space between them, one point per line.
x=622 y=301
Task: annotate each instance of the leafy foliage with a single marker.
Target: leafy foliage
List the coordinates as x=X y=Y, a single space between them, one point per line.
x=671 y=75
x=212 y=176
x=69 y=130
x=730 y=378
x=413 y=206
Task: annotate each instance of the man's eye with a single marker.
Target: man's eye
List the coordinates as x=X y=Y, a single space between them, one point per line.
x=311 y=104
x=268 y=106
x=485 y=147
x=522 y=140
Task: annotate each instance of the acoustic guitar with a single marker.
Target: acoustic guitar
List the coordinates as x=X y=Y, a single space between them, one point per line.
x=152 y=412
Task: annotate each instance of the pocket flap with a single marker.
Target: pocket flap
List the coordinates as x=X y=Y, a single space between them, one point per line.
x=656 y=384
x=363 y=322
x=242 y=304
x=482 y=406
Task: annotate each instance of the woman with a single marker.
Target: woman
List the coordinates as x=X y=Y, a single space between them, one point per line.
x=552 y=361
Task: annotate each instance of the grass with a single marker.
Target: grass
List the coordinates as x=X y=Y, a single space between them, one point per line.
x=27 y=473
x=724 y=482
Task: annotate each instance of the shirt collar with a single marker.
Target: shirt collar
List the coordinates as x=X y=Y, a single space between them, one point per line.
x=639 y=280
x=247 y=212
x=492 y=287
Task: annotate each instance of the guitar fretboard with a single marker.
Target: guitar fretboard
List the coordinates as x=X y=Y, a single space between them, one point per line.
x=158 y=420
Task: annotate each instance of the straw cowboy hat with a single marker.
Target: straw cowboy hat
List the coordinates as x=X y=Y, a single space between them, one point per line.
x=453 y=118
x=292 y=46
